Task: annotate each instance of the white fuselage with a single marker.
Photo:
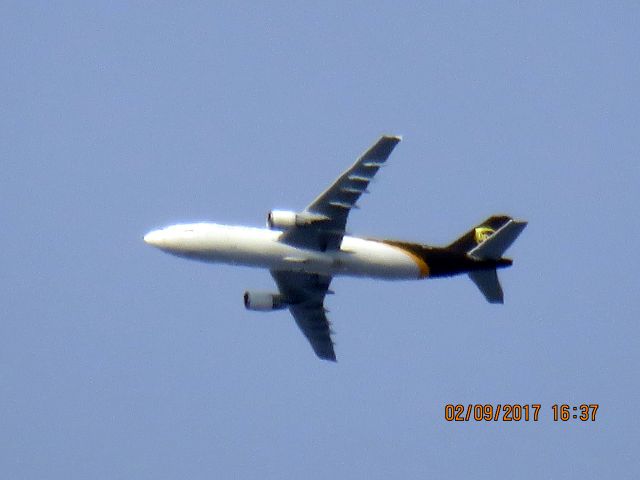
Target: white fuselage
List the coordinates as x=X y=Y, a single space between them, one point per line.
x=259 y=247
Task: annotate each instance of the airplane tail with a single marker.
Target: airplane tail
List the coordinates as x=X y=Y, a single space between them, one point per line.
x=488 y=241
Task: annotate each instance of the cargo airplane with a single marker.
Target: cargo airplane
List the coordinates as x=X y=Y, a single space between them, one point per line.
x=305 y=250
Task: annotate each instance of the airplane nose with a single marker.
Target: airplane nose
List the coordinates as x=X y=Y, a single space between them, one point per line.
x=154 y=238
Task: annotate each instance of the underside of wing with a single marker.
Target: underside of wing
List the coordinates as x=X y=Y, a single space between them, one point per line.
x=335 y=203
x=315 y=326
x=305 y=295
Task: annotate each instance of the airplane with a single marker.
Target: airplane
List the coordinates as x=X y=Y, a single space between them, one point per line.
x=305 y=250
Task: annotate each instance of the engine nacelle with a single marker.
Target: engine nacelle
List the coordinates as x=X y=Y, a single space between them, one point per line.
x=263 y=301
x=283 y=219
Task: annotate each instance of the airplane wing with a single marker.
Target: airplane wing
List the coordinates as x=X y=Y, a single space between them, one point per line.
x=336 y=202
x=306 y=292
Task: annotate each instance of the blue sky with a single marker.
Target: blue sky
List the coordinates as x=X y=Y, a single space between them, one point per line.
x=117 y=361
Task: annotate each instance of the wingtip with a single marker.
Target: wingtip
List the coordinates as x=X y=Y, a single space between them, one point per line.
x=329 y=356
x=393 y=137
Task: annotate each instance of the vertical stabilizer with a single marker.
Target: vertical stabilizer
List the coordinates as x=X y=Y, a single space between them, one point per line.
x=489 y=241
x=479 y=233
x=497 y=242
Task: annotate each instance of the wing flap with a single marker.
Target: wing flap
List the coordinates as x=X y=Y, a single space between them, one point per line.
x=339 y=199
x=361 y=172
x=305 y=293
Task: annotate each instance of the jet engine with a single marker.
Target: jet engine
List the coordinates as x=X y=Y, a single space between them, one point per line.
x=263 y=301
x=283 y=219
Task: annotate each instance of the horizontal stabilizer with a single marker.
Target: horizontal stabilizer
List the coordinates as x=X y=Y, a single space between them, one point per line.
x=497 y=243
x=488 y=283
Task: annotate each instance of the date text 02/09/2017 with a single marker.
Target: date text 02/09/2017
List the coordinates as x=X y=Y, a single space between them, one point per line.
x=515 y=412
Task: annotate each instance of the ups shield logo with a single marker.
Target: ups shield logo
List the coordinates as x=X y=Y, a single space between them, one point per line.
x=482 y=233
